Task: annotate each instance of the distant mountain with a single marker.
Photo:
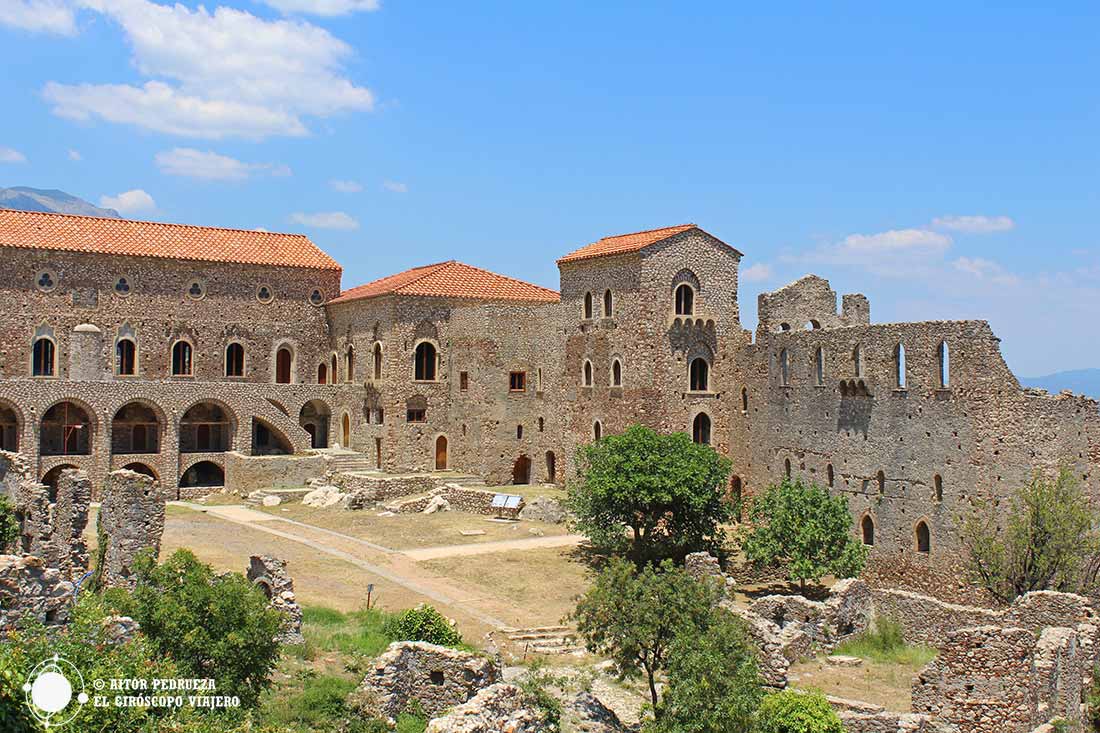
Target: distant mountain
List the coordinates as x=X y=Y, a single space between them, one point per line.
x=50 y=201
x=1080 y=381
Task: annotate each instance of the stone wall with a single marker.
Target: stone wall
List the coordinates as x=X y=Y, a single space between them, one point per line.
x=245 y=474
x=270 y=574
x=364 y=490
x=30 y=589
x=131 y=519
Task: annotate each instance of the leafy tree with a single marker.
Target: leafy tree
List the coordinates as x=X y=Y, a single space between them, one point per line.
x=632 y=616
x=1047 y=543
x=218 y=626
x=797 y=712
x=713 y=684
x=664 y=492
x=801 y=527
x=9 y=525
x=422 y=623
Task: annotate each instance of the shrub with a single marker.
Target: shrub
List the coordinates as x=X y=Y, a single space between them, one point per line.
x=422 y=623
x=796 y=712
x=9 y=526
x=885 y=642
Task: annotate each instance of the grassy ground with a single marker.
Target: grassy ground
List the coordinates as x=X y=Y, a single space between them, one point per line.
x=409 y=531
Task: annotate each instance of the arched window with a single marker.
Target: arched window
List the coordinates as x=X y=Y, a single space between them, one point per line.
x=234 y=360
x=205 y=428
x=785 y=368
x=699 y=375
x=608 y=305
x=588 y=305
x=616 y=373
x=819 y=366
x=182 y=365
x=830 y=477
x=125 y=358
x=857 y=361
x=597 y=430
x=937 y=487
x=322 y=373
x=587 y=373
x=880 y=480
x=425 y=362
x=685 y=300
x=744 y=400
x=787 y=467
x=867 y=526
x=9 y=430
x=943 y=355
x=377 y=360
x=700 y=429
x=65 y=430
x=784 y=327
x=42 y=358
x=135 y=429
x=332 y=374
x=283 y=361
x=899 y=366
x=349 y=365
x=923 y=537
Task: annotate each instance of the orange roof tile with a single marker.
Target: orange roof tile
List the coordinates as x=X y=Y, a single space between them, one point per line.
x=451 y=279
x=123 y=237
x=626 y=243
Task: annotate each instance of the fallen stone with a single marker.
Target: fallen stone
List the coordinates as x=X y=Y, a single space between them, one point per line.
x=544 y=509
x=500 y=707
x=471 y=532
x=587 y=714
x=839 y=660
x=437 y=504
x=272 y=501
x=537 y=532
x=324 y=496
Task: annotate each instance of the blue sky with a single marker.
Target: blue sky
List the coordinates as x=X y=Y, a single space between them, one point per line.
x=943 y=160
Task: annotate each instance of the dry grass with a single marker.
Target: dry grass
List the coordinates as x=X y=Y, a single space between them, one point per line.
x=411 y=531
x=886 y=684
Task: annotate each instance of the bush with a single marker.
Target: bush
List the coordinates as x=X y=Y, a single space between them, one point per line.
x=797 y=712
x=422 y=623
x=9 y=526
x=885 y=642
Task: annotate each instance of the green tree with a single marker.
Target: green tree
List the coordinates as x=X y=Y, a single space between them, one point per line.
x=713 y=681
x=9 y=525
x=1048 y=542
x=801 y=527
x=657 y=495
x=632 y=616
x=797 y=712
x=213 y=625
x=422 y=623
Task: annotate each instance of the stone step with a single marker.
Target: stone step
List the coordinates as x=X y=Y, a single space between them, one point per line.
x=547 y=636
x=538 y=630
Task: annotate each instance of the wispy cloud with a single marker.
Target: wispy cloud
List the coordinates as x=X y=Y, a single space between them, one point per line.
x=326 y=220
x=983 y=269
x=40 y=16
x=11 y=155
x=345 y=186
x=324 y=7
x=129 y=202
x=75 y=155
x=210 y=166
x=756 y=273
x=395 y=187
x=974 y=224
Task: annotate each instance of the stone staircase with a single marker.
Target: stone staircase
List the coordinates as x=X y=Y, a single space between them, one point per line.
x=350 y=463
x=545 y=640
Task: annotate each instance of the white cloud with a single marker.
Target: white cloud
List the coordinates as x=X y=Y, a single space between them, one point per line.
x=345 y=186
x=893 y=241
x=11 y=155
x=395 y=187
x=326 y=220
x=75 y=155
x=974 y=224
x=211 y=166
x=755 y=273
x=215 y=75
x=47 y=16
x=984 y=269
x=324 y=7
x=129 y=202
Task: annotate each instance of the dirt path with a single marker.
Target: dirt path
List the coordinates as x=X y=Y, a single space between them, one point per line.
x=532 y=543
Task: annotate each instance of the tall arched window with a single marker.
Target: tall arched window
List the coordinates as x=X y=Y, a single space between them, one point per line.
x=830 y=476
x=857 y=361
x=700 y=429
x=322 y=373
x=587 y=373
x=923 y=537
x=283 y=362
x=597 y=430
x=42 y=358
x=699 y=375
x=784 y=367
x=588 y=305
x=332 y=374
x=125 y=358
x=899 y=366
x=937 y=487
x=616 y=373
x=182 y=365
x=349 y=365
x=608 y=305
x=744 y=400
x=943 y=355
x=880 y=481
x=685 y=300
x=377 y=360
x=787 y=467
x=234 y=360
x=819 y=366
x=425 y=362
x=867 y=526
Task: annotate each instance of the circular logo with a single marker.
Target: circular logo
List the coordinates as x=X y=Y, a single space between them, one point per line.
x=50 y=689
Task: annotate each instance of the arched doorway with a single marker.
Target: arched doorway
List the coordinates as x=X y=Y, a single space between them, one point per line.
x=314 y=417
x=923 y=537
x=142 y=469
x=66 y=430
x=441 y=453
x=345 y=433
x=867 y=529
x=52 y=476
x=135 y=429
x=267 y=441
x=283 y=362
x=205 y=428
x=9 y=430
x=203 y=474
x=521 y=470
x=551 y=468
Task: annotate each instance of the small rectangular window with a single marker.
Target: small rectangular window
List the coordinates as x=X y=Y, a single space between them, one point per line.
x=517 y=382
x=381 y=416
x=463 y=381
x=416 y=416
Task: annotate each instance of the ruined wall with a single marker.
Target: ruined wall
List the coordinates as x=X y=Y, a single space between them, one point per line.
x=270 y=574
x=244 y=474
x=131 y=519
x=30 y=589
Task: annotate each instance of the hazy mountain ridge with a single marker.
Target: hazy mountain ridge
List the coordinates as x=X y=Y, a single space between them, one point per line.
x=1079 y=381
x=51 y=200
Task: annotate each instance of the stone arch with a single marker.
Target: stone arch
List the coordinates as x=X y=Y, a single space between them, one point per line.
x=268 y=440
x=349 y=364
x=182 y=358
x=285 y=363
x=425 y=360
x=142 y=468
x=66 y=428
x=44 y=353
x=699 y=374
x=345 y=430
x=597 y=430
x=126 y=351
x=700 y=429
x=441 y=462
x=11 y=426
x=922 y=536
x=204 y=474
x=137 y=427
x=684 y=299
x=587 y=373
x=617 y=372
x=322 y=373
x=867 y=529
x=314 y=417
x=50 y=477
x=234 y=359
x=521 y=470
x=207 y=426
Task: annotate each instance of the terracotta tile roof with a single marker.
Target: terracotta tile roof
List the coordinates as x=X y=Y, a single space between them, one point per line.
x=35 y=230
x=451 y=279
x=626 y=243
